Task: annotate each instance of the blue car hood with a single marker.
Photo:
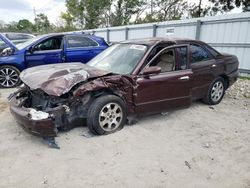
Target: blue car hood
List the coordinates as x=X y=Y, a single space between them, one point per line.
x=58 y=79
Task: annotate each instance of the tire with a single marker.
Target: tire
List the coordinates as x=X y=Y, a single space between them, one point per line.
x=9 y=76
x=107 y=114
x=215 y=92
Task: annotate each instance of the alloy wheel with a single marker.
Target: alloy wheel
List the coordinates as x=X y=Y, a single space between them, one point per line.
x=110 y=117
x=8 y=77
x=217 y=91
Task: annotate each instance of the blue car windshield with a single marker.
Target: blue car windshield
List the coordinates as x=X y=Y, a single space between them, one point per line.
x=27 y=43
x=119 y=58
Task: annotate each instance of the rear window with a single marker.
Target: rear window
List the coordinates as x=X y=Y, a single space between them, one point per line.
x=80 y=41
x=212 y=51
x=199 y=54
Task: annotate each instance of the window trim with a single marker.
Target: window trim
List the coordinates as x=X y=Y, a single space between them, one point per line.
x=67 y=44
x=169 y=47
x=188 y=57
x=45 y=40
x=202 y=47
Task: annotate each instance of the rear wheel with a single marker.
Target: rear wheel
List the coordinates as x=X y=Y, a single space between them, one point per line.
x=107 y=114
x=216 y=92
x=9 y=76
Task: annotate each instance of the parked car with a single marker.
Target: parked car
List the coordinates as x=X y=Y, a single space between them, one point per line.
x=17 y=38
x=4 y=43
x=46 y=49
x=126 y=81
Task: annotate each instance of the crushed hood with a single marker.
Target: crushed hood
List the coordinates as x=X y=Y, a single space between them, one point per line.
x=58 y=79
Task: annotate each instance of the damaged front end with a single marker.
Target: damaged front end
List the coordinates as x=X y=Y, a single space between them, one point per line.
x=61 y=101
x=43 y=115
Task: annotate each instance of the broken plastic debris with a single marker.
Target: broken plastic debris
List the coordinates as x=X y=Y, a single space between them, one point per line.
x=207 y=145
x=52 y=143
x=164 y=113
x=38 y=115
x=187 y=164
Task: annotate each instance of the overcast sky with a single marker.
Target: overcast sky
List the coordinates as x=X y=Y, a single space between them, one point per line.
x=14 y=10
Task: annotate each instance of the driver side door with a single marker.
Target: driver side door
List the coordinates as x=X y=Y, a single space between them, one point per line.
x=169 y=89
x=48 y=51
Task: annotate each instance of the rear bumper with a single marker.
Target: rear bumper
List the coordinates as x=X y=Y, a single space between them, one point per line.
x=43 y=127
x=232 y=77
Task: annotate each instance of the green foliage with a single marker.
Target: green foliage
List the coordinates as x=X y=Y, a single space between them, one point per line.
x=90 y=14
x=197 y=10
x=42 y=24
x=85 y=13
x=227 y=5
x=124 y=10
x=24 y=25
x=245 y=77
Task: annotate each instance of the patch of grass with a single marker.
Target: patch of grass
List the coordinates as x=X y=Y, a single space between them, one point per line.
x=244 y=78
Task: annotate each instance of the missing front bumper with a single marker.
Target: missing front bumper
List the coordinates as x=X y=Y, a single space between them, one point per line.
x=34 y=122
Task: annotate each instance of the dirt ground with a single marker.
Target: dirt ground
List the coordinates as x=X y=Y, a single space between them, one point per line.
x=199 y=147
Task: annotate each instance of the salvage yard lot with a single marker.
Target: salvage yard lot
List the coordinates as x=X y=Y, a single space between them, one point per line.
x=201 y=146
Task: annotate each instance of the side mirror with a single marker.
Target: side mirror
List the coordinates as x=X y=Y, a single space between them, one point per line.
x=152 y=70
x=7 y=51
x=31 y=49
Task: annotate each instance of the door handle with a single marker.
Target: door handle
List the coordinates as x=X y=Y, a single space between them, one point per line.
x=184 y=78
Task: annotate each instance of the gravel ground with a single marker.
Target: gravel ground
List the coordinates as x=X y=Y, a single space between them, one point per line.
x=201 y=146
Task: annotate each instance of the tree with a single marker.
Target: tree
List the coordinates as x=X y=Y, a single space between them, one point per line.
x=11 y=27
x=42 y=24
x=124 y=10
x=2 y=25
x=24 y=25
x=170 y=9
x=227 y=5
x=215 y=6
x=68 y=18
x=85 y=13
x=163 y=10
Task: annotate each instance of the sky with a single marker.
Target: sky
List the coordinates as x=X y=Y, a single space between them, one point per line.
x=14 y=10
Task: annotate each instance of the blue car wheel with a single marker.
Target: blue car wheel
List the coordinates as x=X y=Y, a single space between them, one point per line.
x=9 y=76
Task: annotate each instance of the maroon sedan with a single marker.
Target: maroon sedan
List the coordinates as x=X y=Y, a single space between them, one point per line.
x=127 y=80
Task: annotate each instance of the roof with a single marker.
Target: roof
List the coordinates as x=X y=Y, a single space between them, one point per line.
x=153 y=40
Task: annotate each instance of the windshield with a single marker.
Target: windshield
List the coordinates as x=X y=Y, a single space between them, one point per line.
x=27 y=43
x=119 y=58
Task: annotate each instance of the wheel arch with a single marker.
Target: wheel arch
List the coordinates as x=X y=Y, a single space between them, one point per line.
x=13 y=65
x=226 y=79
x=108 y=91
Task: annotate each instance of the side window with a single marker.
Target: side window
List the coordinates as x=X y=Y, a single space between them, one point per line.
x=199 y=54
x=80 y=41
x=49 y=44
x=165 y=60
x=183 y=57
x=211 y=50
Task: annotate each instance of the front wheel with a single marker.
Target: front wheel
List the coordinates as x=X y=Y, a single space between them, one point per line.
x=107 y=114
x=9 y=76
x=216 y=92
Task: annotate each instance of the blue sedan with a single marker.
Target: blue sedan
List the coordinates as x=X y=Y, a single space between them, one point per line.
x=46 y=49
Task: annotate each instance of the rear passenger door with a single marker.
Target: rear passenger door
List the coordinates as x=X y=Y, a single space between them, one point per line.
x=79 y=48
x=204 y=68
